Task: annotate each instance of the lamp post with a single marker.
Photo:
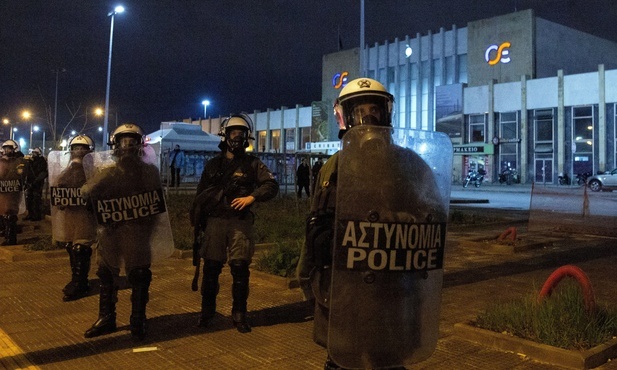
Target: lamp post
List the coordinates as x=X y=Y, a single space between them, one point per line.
x=7 y=122
x=112 y=14
x=36 y=129
x=26 y=115
x=205 y=103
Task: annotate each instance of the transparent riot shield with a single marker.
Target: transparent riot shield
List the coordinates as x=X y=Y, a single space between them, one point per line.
x=71 y=220
x=11 y=187
x=127 y=197
x=392 y=204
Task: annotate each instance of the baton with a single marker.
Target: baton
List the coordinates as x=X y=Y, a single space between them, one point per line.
x=196 y=258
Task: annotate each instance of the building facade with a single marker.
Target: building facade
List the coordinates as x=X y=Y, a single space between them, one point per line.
x=513 y=92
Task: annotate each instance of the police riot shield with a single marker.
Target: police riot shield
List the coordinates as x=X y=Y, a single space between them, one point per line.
x=127 y=198
x=71 y=221
x=11 y=186
x=393 y=190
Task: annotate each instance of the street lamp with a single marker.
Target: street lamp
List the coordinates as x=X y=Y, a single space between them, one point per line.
x=112 y=14
x=36 y=129
x=205 y=103
x=7 y=122
x=26 y=115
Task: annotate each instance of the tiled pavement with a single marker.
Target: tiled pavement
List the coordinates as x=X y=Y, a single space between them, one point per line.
x=39 y=331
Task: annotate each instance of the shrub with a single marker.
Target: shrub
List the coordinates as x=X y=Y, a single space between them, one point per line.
x=559 y=321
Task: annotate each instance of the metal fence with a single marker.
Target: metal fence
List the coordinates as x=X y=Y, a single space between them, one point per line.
x=573 y=209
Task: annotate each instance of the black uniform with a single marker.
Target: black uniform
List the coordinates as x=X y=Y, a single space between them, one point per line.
x=229 y=232
x=127 y=199
x=36 y=173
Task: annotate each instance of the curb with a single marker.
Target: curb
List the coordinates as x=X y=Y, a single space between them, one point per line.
x=587 y=359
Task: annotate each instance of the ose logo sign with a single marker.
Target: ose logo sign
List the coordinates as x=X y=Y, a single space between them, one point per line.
x=500 y=53
x=339 y=80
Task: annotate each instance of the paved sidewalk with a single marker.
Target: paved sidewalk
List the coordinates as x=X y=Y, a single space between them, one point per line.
x=39 y=331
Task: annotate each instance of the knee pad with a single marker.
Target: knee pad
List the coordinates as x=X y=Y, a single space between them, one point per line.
x=239 y=268
x=82 y=250
x=105 y=275
x=212 y=268
x=140 y=276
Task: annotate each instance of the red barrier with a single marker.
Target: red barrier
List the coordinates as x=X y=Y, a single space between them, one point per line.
x=510 y=233
x=581 y=278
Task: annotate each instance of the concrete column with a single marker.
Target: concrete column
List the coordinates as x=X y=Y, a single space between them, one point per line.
x=523 y=168
x=602 y=144
x=490 y=130
x=561 y=125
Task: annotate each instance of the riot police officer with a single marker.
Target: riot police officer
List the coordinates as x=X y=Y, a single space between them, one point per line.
x=73 y=225
x=125 y=190
x=11 y=187
x=359 y=281
x=239 y=179
x=36 y=173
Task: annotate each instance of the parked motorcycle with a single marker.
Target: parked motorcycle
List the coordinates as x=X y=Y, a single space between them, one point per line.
x=581 y=178
x=509 y=176
x=475 y=178
x=563 y=179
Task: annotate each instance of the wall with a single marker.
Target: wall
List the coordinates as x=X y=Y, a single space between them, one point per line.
x=515 y=28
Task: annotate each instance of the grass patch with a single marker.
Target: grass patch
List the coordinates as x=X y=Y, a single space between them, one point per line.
x=559 y=321
x=43 y=243
x=280 y=221
x=280 y=260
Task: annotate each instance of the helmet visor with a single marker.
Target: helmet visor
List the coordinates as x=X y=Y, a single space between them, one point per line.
x=366 y=110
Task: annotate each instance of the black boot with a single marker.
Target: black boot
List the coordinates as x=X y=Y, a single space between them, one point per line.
x=209 y=290
x=10 y=233
x=140 y=279
x=69 y=249
x=108 y=297
x=80 y=266
x=240 y=292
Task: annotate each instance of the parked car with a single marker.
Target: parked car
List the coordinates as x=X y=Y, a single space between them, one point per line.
x=604 y=181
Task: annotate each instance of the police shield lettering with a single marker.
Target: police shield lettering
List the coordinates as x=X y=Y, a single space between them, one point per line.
x=71 y=220
x=130 y=207
x=390 y=234
x=10 y=185
x=127 y=197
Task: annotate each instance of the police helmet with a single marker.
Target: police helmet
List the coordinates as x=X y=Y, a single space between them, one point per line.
x=363 y=101
x=82 y=140
x=127 y=129
x=37 y=151
x=11 y=144
x=235 y=122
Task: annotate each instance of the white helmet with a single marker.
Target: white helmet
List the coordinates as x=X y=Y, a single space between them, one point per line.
x=234 y=122
x=82 y=140
x=11 y=143
x=37 y=151
x=127 y=129
x=363 y=101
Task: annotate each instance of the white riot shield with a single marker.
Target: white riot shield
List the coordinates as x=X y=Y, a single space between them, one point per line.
x=128 y=200
x=393 y=193
x=71 y=221
x=11 y=186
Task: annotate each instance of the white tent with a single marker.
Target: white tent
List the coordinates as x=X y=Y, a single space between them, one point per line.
x=190 y=138
x=197 y=145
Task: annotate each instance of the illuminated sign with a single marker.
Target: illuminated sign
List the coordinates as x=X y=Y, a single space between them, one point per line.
x=339 y=80
x=501 y=54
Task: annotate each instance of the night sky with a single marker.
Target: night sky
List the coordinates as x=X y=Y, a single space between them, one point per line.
x=169 y=55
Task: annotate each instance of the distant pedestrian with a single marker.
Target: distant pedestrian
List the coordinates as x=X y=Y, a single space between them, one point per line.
x=176 y=163
x=303 y=178
x=314 y=172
